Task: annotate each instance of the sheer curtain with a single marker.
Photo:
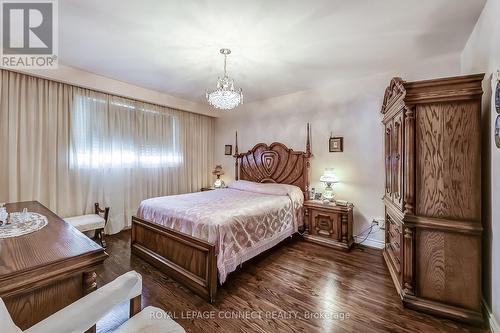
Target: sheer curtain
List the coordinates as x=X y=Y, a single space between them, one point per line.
x=69 y=147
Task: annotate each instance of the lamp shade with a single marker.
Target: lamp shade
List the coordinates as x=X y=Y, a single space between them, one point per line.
x=218 y=170
x=329 y=176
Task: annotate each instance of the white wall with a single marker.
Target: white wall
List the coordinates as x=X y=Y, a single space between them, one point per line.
x=81 y=78
x=348 y=109
x=482 y=54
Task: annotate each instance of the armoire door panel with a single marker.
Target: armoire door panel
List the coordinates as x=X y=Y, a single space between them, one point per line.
x=447 y=160
x=388 y=159
x=398 y=159
x=441 y=260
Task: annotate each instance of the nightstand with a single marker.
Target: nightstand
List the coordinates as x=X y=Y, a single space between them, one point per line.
x=328 y=224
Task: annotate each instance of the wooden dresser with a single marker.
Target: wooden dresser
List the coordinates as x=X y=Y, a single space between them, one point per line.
x=433 y=194
x=328 y=224
x=42 y=272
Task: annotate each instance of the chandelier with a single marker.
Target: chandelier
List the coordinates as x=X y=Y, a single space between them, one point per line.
x=226 y=96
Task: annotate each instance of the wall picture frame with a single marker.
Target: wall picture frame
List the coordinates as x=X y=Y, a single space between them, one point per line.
x=228 y=150
x=336 y=144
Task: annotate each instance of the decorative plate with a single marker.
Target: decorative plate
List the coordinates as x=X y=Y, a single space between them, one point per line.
x=497 y=97
x=497 y=132
x=20 y=225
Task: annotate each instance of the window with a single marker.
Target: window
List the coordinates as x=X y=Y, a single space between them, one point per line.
x=112 y=132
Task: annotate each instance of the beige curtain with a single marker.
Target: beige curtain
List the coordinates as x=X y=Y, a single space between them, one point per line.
x=69 y=147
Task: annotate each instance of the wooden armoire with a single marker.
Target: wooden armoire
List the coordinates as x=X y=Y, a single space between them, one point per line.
x=433 y=194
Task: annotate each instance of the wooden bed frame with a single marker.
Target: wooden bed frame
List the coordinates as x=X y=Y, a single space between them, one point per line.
x=192 y=261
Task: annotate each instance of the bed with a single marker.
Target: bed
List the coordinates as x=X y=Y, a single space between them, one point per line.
x=199 y=238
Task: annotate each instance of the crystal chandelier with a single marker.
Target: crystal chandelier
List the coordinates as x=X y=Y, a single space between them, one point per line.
x=226 y=96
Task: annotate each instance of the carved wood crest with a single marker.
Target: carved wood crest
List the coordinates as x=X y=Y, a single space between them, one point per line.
x=274 y=164
x=392 y=93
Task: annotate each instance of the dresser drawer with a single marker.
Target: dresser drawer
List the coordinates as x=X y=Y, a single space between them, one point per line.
x=328 y=224
x=393 y=241
x=394 y=238
x=325 y=224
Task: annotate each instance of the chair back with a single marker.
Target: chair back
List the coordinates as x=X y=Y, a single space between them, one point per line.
x=102 y=212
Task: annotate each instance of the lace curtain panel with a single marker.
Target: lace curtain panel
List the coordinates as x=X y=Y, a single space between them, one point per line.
x=69 y=147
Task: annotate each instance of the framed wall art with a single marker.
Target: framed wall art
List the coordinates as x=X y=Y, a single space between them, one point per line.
x=336 y=144
x=228 y=150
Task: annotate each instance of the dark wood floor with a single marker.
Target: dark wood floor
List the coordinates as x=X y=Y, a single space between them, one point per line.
x=296 y=287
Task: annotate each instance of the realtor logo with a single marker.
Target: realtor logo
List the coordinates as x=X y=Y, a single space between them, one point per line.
x=29 y=34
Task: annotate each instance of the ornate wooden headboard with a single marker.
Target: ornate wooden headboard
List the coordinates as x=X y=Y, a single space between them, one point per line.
x=275 y=163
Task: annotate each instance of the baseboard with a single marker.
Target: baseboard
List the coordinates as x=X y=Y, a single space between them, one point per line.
x=375 y=243
x=492 y=321
x=467 y=316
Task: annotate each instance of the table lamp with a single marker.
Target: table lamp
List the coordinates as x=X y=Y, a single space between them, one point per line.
x=218 y=172
x=328 y=178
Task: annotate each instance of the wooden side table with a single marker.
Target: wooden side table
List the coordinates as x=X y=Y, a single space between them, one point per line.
x=329 y=224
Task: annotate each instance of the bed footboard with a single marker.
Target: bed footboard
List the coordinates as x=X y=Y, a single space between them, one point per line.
x=186 y=259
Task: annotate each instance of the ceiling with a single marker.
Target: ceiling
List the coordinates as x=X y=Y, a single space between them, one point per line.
x=278 y=47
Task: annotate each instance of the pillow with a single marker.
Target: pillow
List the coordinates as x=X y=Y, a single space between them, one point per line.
x=264 y=188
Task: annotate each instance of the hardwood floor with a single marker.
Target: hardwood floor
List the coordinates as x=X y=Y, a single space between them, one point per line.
x=296 y=287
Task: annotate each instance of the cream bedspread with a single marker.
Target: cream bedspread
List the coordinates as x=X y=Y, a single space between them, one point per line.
x=242 y=220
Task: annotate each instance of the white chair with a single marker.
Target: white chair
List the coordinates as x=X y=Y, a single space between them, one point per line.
x=82 y=315
x=91 y=222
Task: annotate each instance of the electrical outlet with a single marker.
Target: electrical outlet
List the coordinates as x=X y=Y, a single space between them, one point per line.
x=379 y=221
